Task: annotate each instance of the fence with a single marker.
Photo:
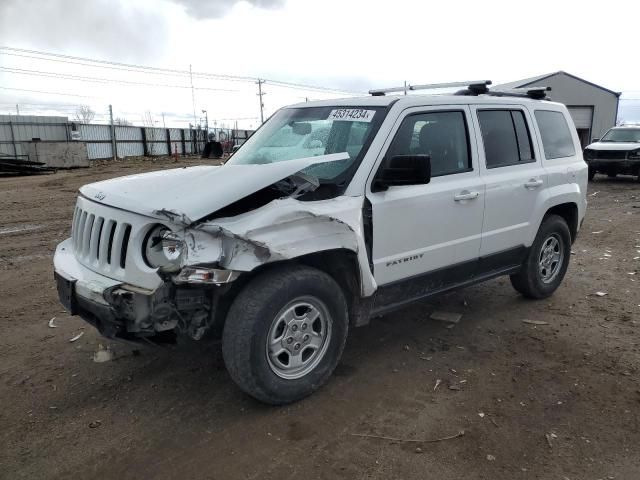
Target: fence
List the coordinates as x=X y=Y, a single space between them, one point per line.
x=17 y=132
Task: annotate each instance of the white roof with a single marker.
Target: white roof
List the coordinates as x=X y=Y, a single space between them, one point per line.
x=407 y=101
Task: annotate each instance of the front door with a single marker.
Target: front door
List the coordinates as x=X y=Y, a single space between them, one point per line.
x=419 y=229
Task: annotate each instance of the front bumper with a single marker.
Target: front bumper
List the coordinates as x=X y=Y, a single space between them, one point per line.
x=628 y=166
x=82 y=292
x=119 y=310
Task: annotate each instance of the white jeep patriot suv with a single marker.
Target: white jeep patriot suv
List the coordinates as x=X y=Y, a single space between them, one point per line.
x=331 y=213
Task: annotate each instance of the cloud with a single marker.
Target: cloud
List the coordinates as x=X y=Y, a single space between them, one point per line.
x=105 y=28
x=218 y=8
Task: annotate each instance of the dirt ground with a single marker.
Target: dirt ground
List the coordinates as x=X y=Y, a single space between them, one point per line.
x=554 y=401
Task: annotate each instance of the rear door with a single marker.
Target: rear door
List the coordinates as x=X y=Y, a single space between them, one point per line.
x=511 y=167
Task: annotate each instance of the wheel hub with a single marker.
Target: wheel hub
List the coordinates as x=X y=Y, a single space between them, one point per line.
x=298 y=338
x=550 y=259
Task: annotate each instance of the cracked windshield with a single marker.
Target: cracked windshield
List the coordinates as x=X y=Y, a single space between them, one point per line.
x=295 y=133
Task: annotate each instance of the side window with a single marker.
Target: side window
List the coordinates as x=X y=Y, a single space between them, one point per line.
x=506 y=137
x=556 y=136
x=442 y=135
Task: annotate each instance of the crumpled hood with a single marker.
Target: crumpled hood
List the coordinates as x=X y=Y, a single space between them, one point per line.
x=194 y=192
x=616 y=146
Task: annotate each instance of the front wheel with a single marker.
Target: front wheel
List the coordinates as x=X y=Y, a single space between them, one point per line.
x=547 y=262
x=285 y=333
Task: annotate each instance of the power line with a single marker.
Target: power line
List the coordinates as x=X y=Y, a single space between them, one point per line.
x=148 y=69
x=48 y=93
x=66 y=76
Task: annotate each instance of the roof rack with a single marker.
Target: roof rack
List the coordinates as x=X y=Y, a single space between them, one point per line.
x=536 y=93
x=477 y=85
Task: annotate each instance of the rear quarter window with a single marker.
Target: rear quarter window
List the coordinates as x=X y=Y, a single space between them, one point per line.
x=556 y=136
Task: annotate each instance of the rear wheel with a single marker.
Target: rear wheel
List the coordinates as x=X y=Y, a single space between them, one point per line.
x=285 y=333
x=548 y=260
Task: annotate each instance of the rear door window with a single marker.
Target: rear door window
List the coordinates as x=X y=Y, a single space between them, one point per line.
x=506 y=138
x=556 y=136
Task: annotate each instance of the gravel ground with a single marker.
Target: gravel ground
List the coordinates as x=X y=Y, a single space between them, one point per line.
x=553 y=401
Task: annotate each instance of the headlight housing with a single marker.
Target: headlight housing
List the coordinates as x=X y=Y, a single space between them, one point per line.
x=163 y=249
x=588 y=154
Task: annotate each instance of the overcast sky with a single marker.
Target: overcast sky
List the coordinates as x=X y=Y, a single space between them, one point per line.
x=350 y=45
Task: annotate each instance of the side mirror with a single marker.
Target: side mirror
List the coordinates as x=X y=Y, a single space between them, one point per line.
x=403 y=170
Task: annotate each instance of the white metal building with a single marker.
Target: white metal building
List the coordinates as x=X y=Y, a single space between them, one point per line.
x=593 y=108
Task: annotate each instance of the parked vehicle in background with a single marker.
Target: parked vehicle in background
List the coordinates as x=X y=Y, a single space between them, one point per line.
x=617 y=152
x=333 y=212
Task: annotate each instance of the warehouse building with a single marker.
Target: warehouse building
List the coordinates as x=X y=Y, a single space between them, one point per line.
x=594 y=109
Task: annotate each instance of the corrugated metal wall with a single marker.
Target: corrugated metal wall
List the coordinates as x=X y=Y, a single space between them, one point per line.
x=129 y=140
x=100 y=147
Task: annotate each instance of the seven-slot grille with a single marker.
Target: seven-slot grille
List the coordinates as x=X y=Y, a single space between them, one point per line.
x=100 y=241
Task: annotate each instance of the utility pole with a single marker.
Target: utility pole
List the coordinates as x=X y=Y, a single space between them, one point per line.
x=193 y=95
x=206 y=125
x=163 y=124
x=405 y=87
x=260 y=94
x=113 y=134
x=17 y=109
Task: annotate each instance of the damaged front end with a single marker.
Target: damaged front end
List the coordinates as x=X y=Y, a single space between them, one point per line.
x=160 y=316
x=207 y=263
x=179 y=270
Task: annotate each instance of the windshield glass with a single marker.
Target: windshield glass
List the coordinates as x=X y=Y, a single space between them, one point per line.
x=294 y=133
x=622 y=135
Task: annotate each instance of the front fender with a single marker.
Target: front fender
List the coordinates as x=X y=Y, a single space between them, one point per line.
x=286 y=229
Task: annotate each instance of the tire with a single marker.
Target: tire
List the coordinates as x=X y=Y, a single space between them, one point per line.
x=534 y=280
x=273 y=307
x=612 y=174
x=592 y=173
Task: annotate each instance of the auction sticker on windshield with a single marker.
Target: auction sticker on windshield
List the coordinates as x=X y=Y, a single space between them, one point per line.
x=351 y=115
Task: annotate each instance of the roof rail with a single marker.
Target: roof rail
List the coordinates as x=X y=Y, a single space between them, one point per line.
x=472 y=85
x=536 y=93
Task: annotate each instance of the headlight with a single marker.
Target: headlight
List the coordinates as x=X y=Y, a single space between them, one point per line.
x=588 y=154
x=163 y=249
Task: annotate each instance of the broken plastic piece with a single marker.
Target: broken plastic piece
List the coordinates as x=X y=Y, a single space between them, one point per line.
x=448 y=317
x=535 y=322
x=71 y=340
x=103 y=354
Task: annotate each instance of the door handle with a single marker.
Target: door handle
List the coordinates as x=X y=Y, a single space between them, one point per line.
x=533 y=183
x=465 y=195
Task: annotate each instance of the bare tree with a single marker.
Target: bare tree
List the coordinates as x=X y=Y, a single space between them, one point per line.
x=84 y=114
x=123 y=122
